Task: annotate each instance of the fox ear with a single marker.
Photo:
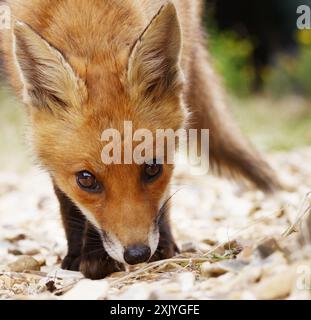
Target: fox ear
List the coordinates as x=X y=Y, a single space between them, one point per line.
x=48 y=79
x=153 y=68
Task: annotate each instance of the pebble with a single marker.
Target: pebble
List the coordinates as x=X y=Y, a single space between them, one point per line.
x=87 y=290
x=24 y=263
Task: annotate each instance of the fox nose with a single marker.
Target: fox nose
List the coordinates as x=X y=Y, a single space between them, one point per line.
x=137 y=254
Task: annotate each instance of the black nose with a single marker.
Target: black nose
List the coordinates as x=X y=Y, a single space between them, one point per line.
x=137 y=254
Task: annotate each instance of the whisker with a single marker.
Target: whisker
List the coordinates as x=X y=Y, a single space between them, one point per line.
x=164 y=208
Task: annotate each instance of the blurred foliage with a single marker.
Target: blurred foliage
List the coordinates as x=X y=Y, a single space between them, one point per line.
x=292 y=73
x=277 y=118
x=232 y=59
x=259 y=47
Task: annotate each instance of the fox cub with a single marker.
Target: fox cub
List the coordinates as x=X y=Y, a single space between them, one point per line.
x=83 y=66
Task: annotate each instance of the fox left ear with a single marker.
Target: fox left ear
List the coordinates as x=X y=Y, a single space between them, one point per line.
x=47 y=77
x=153 y=68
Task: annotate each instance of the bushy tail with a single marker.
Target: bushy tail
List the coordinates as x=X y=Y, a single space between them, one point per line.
x=230 y=152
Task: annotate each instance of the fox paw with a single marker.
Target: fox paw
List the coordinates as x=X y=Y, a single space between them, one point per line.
x=98 y=267
x=71 y=262
x=165 y=252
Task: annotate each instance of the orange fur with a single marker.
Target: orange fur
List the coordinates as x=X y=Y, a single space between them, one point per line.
x=90 y=65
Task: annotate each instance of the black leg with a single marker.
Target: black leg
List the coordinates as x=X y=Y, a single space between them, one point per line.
x=95 y=261
x=74 y=224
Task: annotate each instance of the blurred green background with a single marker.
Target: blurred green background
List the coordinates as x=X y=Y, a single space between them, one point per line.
x=265 y=62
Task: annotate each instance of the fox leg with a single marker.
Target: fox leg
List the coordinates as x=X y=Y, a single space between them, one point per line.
x=95 y=261
x=230 y=152
x=166 y=247
x=74 y=224
x=85 y=249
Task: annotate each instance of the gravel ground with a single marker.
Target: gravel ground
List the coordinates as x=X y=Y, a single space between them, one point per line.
x=236 y=243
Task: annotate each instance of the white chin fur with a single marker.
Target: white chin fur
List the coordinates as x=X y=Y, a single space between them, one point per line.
x=114 y=247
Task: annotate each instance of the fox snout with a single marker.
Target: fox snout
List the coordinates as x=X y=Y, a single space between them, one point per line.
x=137 y=254
x=134 y=253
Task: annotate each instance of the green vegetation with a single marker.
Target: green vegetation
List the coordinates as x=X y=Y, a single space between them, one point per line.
x=280 y=117
x=232 y=59
x=292 y=73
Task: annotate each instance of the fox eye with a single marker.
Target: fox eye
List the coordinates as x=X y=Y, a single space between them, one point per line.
x=152 y=171
x=87 y=182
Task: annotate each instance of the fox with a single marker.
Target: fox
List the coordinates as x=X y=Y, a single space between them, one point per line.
x=83 y=66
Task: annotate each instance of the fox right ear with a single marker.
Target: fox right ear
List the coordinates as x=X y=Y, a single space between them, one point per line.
x=154 y=63
x=47 y=77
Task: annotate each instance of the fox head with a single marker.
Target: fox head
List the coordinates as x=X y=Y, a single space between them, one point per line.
x=72 y=100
